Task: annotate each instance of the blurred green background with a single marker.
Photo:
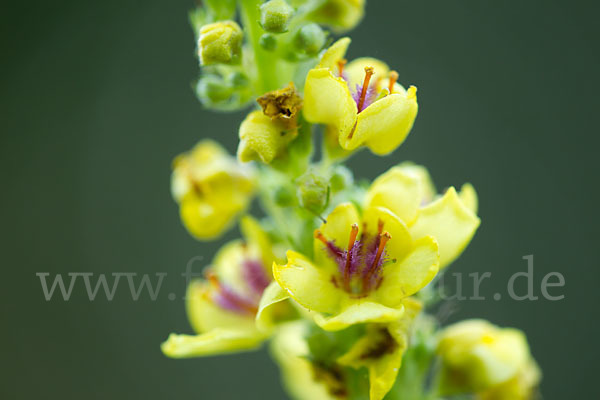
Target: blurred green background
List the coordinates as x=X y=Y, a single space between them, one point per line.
x=96 y=100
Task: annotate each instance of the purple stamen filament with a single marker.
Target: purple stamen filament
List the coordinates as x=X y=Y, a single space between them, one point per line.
x=227 y=298
x=365 y=257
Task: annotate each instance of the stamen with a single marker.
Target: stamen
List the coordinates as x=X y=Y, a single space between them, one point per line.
x=393 y=79
x=319 y=235
x=341 y=64
x=369 y=71
x=228 y=299
x=351 y=241
x=384 y=239
x=332 y=248
x=380 y=227
x=214 y=281
x=353 y=234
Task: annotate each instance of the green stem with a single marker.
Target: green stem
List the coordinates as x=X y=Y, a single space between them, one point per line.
x=265 y=62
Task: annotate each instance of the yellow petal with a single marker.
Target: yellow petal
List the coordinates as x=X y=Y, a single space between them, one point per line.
x=400 y=243
x=383 y=366
x=327 y=100
x=468 y=196
x=428 y=191
x=207 y=220
x=402 y=328
x=502 y=358
x=334 y=53
x=205 y=316
x=217 y=341
x=358 y=312
x=228 y=263
x=211 y=188
x=309 y=285
x=522 y=387
x=355 y=70
x=450 y=222
x=406 y=277
x=382 y=370
x=258 y=239
x=384 y=125
x=262 y=138
x=270 y=309
x=399 y=191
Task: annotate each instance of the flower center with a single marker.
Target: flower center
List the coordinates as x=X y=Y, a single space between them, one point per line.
x=361 y=263
x=229 y=298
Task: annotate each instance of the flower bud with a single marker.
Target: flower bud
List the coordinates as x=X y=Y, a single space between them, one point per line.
x=213 y=89
x=275 y=16
x=220 y=43
x=283 y=196
x=341 y=179
x=313 y=192
x=268 y=42
x=311 y=39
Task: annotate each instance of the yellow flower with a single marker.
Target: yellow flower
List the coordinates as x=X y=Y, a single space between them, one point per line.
x=211 y=189
x=223 y=308
x=382 y=348
x=366 y=280
x=360 y=103
x=493 y=362
x=339 y=14
x=408 y=192
x=302 y=379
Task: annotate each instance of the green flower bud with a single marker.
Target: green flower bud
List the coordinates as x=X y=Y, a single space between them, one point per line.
x=268 y=42
x=238 y=80
x=311 y=39
x=313 y=192
x=283 y=196
x=220 y=43
x=275 y=16
x=213 y=89
x=341 y=179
